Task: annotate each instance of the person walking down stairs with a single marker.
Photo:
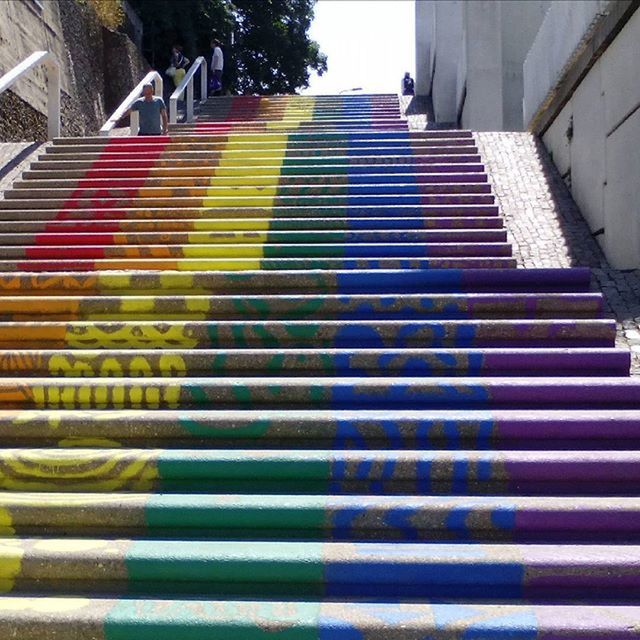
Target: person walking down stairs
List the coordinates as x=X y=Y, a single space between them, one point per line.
x=152 y=111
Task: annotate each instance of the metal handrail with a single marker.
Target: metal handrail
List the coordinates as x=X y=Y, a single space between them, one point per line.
x=53 y=85
x=187 y=83
x=134 y=122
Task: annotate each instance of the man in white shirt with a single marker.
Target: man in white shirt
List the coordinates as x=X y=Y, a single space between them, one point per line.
x=217 y=65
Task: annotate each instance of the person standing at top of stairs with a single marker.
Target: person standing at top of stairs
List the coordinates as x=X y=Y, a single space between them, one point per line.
x=217 y=65
x=152 y=111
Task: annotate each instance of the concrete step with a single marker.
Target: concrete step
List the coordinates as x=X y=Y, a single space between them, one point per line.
x=167 y=334
x=334 y=570
x=364 y=164
x=80 y=245
x=97 y=153
x=88 y=189
x=255 y=143
x=341 y=240
x=397 y=429
x=98 y=180
x=88 y=363
x=314 y=393
x=547 y=280
x=248 y=264
x=50 y=618
x=250 y=224
x=248 y=200
x=90 y=306
x=179 y=137
x=323 y=517
x=393 y=212
x=319 y=472
x=50 y=170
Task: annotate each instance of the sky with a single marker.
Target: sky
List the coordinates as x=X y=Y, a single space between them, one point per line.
x=369 y=44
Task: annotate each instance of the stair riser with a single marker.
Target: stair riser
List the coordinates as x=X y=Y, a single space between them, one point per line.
x=303 y=335
x=358 y=307
x=257 y=143
x=88 y=189
x=291 y=363
x=433 y=473
x=324 y=518
x=252 y=224
x=311 y=201
x=99 y=179
x=328 y=282
x=392 y=213
x=179 y=137
x=107 y=619
x=323 y=393
x=249 y=264
x=97 y=245
x=402 y=430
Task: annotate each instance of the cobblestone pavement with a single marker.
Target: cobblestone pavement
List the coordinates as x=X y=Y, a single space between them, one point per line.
x=14 y=159
x=547 y=229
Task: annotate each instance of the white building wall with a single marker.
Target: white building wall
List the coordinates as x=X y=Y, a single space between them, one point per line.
x=447 y=52
x=520 y=21
x=424 y=40
x=565 y=26
x=594 y=142
x=483 y=104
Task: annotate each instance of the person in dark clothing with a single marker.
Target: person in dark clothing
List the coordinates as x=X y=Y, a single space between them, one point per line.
x=152 y=112
x=408 y=86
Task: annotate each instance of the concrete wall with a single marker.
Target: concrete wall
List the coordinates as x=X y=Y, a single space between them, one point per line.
x=565 y=27
x=469 y=56
x=595 y=143
x=98 y=67
x=520 y=22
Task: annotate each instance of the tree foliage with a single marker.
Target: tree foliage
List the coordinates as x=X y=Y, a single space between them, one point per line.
x=266 y=43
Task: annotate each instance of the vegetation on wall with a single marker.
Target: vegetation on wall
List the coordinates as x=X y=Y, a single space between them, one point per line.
x=266 y=43
x=109 y=12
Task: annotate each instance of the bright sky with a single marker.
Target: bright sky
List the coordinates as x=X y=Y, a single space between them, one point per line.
x=369 y=44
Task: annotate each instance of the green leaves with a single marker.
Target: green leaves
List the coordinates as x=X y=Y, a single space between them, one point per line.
x=266 y=44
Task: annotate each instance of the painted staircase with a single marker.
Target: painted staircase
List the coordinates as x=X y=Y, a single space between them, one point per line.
x=276 y=376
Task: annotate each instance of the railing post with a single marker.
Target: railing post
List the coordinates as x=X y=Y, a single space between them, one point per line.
x=173 y=110
x=190 y=102
x=53 y=98
x=204 y=86
x=134 y=123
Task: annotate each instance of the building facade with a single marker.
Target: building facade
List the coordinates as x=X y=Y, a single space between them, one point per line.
x=567 y=70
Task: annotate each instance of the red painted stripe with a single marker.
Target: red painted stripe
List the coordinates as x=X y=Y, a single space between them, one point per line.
x=81 y=227
x=75 y=239
x=73 y=265
x=101 y=198
x=71 y=253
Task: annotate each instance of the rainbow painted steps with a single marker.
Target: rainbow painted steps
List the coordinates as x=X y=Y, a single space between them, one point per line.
x=276 y=376
x=199 y=619
x=397 y=429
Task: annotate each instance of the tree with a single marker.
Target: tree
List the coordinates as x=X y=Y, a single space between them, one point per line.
x=266 y=43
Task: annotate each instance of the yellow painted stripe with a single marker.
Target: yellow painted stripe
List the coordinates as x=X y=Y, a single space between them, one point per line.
x=254 y=224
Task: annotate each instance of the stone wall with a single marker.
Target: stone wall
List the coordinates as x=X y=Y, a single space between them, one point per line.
x=98 y=67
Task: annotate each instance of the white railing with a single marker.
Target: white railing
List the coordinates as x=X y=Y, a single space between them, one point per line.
x=134 y=119
x=53 y=85
x=187 y=83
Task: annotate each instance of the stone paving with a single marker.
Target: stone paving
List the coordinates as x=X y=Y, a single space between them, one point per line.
x=547 y=229
x=10 y=152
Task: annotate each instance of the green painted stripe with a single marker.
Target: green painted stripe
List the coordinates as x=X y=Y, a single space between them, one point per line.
x=201 y=620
